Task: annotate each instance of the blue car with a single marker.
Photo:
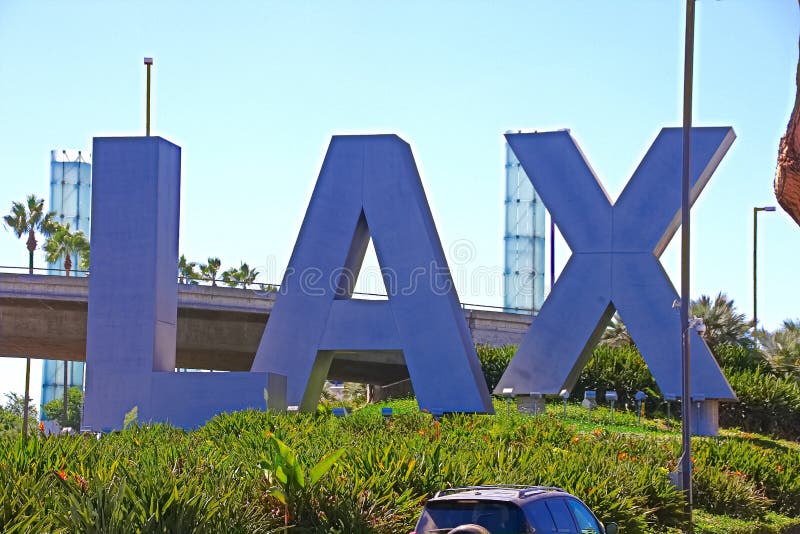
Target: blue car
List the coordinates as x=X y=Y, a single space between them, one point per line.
x=508 y=510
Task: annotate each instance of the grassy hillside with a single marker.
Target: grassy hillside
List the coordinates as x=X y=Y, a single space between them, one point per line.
x=160 y=479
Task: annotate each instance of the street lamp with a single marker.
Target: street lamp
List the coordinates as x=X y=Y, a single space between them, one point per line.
x=148 y=61
x=755 y=245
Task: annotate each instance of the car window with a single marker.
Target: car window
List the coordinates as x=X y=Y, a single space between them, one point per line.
x=496 y=516
x=561 y=516
x=539 y=516
x=587 y=524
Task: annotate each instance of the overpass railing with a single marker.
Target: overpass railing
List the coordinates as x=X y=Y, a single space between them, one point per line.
x=252 y=286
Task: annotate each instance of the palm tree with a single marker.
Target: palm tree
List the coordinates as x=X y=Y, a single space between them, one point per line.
x=63 y=243
x=782 y=348
x=209 y=270
x=243 y=276
x=28 y=218
x=723 y=324
x=186 y=271
x=616 y=333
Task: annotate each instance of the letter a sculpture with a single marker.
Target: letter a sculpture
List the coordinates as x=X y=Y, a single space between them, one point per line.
x=614 y=263
x=369 y=185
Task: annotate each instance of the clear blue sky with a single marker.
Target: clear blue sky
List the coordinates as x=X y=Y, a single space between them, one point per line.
x=253 y=91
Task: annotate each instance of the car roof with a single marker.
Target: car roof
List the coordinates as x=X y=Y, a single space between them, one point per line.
x=507 y=493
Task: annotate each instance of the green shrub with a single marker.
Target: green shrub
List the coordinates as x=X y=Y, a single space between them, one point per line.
x=494 y=361
x=721 y=491
x=769 y=465
x=621 y=369
x=767 y=404
x=159 y=479
x=734 y=358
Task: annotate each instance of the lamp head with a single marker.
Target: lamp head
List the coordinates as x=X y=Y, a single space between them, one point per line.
x=698 y=324
x=148 y=61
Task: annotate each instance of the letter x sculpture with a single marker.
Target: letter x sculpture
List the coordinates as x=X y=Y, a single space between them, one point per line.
x=614 y=263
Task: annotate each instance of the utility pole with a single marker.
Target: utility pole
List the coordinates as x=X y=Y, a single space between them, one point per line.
x=686 y=403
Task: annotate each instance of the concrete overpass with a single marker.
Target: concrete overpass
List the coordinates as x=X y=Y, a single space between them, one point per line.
x=219 y=328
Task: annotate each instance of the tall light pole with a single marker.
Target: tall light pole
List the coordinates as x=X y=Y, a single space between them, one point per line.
x=755 y=264
x=686 y=403
x=148 y=61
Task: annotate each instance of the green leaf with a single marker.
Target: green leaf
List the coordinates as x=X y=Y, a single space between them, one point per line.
x=278 y=494
x=281 y=475
x=324 y=465
x=299 y=478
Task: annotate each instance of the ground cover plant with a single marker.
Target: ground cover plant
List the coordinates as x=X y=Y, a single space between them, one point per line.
x=375 y=473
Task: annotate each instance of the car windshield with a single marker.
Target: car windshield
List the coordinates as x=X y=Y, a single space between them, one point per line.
x=496 y=517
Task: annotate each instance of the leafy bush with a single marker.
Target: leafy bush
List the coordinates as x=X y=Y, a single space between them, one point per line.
x=494 y=361
x=737 y=358
x=769 y=465
x=160 y=479
x=729 y=493
x=767 y=404
x=616 y=368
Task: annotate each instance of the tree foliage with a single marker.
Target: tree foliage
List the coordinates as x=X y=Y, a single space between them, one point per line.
x=15 y=405
x=723 y=323
x=187 y=271
x=781 y=348
x=616 y=334
x=242 y=276
x=54 y=410
x=29 y=217
x=63 y=243
x=208 y=271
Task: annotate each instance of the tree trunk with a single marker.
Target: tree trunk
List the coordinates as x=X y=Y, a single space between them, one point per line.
x=66 y=390
x=27 y=396
x=31 y=247
x=67 y=263
x=787 y=177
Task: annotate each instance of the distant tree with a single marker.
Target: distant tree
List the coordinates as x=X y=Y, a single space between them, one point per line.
x=781 y=348
x=187 y=271
x=28 y=218
x=15 y=405
x=54 y=410
x=243 y=276
x=63 y=243
x=351 y=393
x=83 y=260
x=209 y=270
x=9 y=423
x=616 y=334
x=723 y=323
